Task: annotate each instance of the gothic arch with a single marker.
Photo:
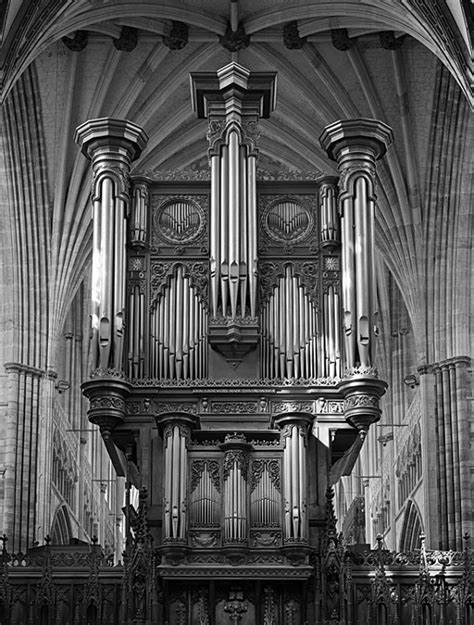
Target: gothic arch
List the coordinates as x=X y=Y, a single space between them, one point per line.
x=412 y=527
x=61 y=527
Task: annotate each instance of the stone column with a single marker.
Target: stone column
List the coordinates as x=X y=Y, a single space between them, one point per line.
x=356 y=144
x=446 y=388
x=236 y=460
x=111 y=144
x=233 y=99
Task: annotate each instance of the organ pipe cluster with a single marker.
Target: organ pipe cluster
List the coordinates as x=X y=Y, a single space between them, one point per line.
x=235 y=496
x=295 y=480
x=205 y=504
x=355 y=145
x=111 y=145
x=233 y=278
x=176 y=476
x=233 y=99
x=265 y=500
x=290 y=331
x=139 y=213
x=178 y=332
x=330 y=229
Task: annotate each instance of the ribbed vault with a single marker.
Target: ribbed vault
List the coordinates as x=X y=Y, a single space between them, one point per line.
x=317 y=85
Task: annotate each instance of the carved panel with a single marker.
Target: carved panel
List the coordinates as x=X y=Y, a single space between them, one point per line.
x=287 y=223
x=179 y=224
x=270 y=273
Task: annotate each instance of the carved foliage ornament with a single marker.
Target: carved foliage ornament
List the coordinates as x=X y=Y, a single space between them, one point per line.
x=361 y=401
x=107 y=402
x=270 y=273
x=212 y=466
x=283 y=407
x=237 y=458
x=162 y=272
x=257 y=468
x=116 y=171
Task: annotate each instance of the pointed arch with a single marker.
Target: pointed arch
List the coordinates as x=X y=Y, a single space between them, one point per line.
x=61 y=527
x=412 y=527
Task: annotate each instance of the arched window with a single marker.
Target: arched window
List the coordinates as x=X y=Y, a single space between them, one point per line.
x=412 y=528
x=61 y=527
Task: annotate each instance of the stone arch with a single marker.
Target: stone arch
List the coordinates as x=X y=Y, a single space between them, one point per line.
x=61 y=532
x=412 y=527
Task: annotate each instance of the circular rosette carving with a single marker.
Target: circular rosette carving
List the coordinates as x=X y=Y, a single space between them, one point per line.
x=179 y=220
x=287 y=221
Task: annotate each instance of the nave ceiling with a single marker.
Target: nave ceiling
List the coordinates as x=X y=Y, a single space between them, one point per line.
x=420 y=88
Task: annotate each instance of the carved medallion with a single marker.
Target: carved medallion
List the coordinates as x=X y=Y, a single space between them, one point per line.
x=179 y=220
x=287 y=221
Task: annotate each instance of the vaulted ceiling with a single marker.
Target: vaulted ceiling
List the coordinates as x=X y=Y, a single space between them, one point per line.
x=405 y=62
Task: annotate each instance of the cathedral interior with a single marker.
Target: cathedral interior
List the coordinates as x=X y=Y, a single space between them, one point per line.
x=236 y=312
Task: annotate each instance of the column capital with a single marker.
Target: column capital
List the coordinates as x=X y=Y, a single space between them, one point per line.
x=107 y=132
x=355 y=134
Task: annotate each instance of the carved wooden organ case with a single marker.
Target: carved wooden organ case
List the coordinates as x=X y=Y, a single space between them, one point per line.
x=233 y=360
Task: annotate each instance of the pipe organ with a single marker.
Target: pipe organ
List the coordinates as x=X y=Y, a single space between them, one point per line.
x=233 y=347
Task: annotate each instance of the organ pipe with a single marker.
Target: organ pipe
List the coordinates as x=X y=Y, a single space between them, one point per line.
x=111 y=145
